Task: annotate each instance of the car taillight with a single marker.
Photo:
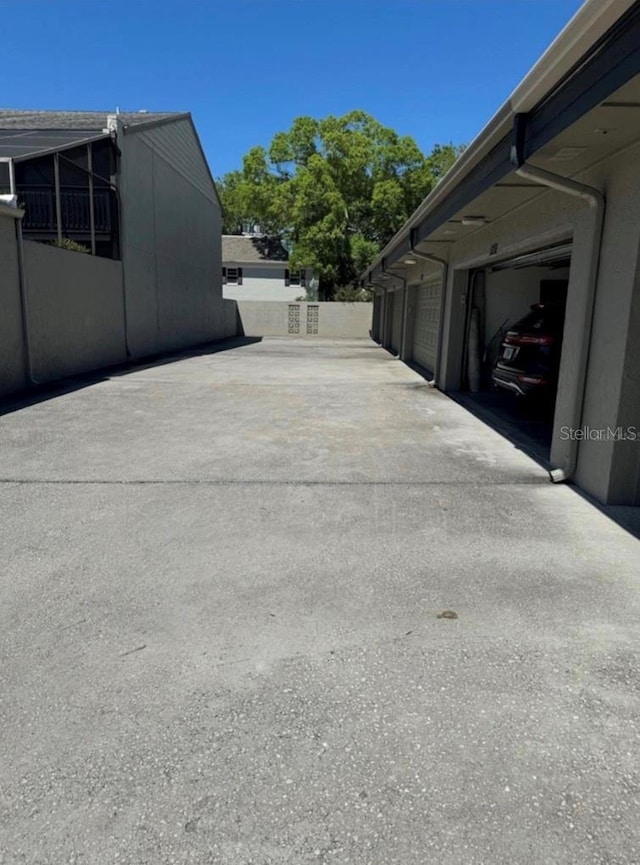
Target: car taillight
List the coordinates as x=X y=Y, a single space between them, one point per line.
x=532 y=379
x=527 y=339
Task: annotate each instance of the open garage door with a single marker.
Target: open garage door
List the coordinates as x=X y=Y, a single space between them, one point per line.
x=396 y=324
x=513 y=346
x=425 y=327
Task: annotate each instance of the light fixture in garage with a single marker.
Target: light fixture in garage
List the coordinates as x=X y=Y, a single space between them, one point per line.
x=567 y=154
x=410 y=260
x=474 y=220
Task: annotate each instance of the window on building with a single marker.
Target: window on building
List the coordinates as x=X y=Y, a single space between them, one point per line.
x=232 y=275
x=297 y=277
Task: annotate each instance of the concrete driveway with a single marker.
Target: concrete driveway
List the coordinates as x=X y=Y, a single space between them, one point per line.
x=219 y=632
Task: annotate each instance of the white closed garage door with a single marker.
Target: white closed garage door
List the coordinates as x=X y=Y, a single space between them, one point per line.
x=396 y=326
x=425 y=330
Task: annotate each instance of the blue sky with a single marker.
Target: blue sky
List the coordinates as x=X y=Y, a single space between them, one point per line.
x=433 y=69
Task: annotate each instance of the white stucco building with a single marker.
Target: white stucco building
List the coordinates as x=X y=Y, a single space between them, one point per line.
x=256 y=267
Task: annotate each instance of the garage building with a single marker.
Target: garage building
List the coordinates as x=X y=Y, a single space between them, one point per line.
x=542 y=210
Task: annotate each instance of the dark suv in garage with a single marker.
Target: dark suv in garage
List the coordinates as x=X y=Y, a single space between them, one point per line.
x=529 y=356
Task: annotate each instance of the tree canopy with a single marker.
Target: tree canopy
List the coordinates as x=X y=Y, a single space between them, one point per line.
x=335 y=190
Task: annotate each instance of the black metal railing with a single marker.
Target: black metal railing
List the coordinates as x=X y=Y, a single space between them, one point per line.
x=40 y=209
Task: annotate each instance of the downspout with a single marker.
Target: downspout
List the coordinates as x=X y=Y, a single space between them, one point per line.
x=115 y=127
x=24 y=305
x=444 y=266
x=121 y=248
x=596 y=201
x=22 y=285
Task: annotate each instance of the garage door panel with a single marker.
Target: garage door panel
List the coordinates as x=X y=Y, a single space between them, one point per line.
x=425 y=331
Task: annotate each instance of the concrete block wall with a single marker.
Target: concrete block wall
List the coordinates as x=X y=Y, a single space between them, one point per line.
x=329 y=320
x=76 y=311
x=76 y=315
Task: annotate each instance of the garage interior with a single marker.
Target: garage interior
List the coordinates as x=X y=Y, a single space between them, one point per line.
x=500 y=296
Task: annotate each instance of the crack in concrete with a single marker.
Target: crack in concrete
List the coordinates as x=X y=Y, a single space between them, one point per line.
x=300 y=483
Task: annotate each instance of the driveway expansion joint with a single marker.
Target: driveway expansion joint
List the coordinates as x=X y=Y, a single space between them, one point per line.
x=293 y=483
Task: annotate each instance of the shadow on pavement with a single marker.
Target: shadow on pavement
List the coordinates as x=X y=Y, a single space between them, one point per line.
x=627 y=517
x=532 y=435
x=525 y=428
x=51 y=390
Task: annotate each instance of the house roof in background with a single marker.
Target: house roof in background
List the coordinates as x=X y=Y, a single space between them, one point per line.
x=95 y=120
x=242 y=249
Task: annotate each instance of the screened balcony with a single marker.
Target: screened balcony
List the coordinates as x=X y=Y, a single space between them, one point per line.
x=68 y=193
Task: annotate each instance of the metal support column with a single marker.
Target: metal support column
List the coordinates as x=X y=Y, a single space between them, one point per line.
x=92 y=215
x=56 y=177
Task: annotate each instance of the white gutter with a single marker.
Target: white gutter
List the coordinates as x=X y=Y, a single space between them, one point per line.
x=586 y=27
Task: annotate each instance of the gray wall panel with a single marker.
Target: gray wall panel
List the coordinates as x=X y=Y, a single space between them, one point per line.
x=171 y=241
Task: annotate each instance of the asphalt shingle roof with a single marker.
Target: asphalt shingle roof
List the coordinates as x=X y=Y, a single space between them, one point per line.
x=252 y=249
x=94 y=120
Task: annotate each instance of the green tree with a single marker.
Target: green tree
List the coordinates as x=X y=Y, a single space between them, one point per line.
x=336 y=190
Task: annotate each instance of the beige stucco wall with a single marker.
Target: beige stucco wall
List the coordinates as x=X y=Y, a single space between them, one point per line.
x=76 y=314
x=271 y=318
x=553 y=217
x=171 y=242
x=12 y=364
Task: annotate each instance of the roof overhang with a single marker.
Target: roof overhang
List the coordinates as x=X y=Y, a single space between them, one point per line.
x=133 y=128
x=145 y=125
x=592 y=58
